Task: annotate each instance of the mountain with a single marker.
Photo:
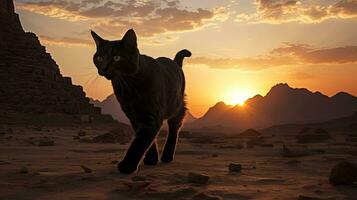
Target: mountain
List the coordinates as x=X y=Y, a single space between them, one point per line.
x=111 y=106
x=281 y=105
x=346 y=124
x=31 y=85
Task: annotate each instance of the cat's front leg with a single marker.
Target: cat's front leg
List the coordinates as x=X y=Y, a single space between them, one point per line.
x=143 y=140
x=152 y=155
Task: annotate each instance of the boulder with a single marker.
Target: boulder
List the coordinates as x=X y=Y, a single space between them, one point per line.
x=344 y=173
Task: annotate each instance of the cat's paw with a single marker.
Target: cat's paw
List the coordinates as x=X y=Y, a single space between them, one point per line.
x=167 y=159
x=125 y=168
x=151 y=161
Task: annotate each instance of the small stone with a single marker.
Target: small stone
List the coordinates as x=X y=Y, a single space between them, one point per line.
x=45 y=141
x=117 y=135
x=139 y=178
x=9 y=137
x=293 y=162
x=9 y=130
x=198 y=179
x=303 y=197
x=267 y=145
x=204 y=196
x=2 y=162
x=81 y=133
x=86 y=169
x=137 y=186
x=24 y=170
x=233 y=167
x=37 y=129
x=86 y=140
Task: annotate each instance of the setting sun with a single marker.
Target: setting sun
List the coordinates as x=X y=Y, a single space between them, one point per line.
x=237 y=97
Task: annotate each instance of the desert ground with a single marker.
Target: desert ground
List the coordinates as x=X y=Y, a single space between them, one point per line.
x=64 y=163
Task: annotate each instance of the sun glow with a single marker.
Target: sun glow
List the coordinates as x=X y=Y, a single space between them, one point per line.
x=237 y=97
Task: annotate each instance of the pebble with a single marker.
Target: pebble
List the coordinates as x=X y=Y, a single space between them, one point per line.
x=86 y=169
x=233 y=167
x=198 y=179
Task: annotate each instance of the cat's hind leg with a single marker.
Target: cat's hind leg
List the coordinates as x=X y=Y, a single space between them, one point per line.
x=152 y=155
x=175 y=124
x=143 y=140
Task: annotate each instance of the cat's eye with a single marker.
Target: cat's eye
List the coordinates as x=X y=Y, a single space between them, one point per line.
x=100 y=59
x=116 y=58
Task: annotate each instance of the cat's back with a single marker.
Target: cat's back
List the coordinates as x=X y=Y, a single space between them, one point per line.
x=167 y=62
x=169 y=66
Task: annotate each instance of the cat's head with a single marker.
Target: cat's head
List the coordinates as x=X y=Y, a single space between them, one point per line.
x=120 y=57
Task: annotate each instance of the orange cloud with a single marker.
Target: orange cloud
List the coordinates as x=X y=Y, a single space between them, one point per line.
x=65 y=41
x=255 y=63
x=308 y=54
x=287 y=55
x=282 y=11
x=150 y=17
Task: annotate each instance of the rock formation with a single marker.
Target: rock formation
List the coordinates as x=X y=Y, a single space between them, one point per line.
x=30 y=80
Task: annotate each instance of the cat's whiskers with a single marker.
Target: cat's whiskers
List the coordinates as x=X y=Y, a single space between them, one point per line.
x=87 y=74
x=93 y=81
x=89 y=79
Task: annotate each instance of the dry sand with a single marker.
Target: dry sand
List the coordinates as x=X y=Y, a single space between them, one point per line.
x=29 y=171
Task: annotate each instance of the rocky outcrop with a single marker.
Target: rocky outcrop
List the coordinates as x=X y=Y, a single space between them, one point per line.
x=30 y=80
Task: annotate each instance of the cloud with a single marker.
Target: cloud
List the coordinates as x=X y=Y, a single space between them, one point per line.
x=254 y=63
x=149 y=17
x=287 y=55
x=283 y=11
x=65 y=41
x=300 y=76
x=308 y=54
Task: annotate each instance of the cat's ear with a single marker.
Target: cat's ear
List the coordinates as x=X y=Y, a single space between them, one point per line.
x=97 y=39
x=129 y=39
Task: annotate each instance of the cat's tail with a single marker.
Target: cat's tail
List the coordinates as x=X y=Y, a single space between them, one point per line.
x=181 y=55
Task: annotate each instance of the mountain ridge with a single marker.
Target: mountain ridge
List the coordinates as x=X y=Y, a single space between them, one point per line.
x=111 y=106
x=281 y=105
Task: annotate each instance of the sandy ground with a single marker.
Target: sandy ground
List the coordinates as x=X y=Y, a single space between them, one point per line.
x=28 y=171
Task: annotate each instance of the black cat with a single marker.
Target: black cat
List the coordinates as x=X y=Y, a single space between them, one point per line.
x=149 y=91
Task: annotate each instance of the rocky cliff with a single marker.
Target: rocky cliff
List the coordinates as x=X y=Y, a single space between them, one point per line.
x=30 y=80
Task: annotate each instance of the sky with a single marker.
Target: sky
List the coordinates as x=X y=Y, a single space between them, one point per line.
x=240 y=47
